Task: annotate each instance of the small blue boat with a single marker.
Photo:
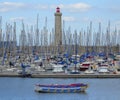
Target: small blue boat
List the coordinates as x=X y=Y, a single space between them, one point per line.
x=56 y=88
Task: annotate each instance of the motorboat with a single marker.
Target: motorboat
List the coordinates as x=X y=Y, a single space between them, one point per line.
x=85 y=65
x=103 y=70
x=89 y=70
x=61 y=88
x=58 y=69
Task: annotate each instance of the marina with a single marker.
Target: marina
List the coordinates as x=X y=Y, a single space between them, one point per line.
x=59 y=50
x=95 y=66
x=59 y=54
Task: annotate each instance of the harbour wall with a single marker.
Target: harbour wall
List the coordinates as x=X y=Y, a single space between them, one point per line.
x=64 y=75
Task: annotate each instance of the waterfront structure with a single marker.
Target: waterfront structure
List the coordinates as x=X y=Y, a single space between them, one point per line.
x=58 y=27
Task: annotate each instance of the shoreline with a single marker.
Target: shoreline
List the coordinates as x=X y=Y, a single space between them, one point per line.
x=61 y=75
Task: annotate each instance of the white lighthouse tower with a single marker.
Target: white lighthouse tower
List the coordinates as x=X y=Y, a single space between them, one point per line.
x=58 y=27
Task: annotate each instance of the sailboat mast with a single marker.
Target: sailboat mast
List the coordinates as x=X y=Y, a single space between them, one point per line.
x=1 y=49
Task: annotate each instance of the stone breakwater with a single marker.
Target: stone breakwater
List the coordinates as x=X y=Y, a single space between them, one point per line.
x=61 y=75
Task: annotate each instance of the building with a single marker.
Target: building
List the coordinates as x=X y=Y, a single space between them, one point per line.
x=58 y=27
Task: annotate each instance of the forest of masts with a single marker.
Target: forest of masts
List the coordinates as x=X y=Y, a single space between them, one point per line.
x=33 y=40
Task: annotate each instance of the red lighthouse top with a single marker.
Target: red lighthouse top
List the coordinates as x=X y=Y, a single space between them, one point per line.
x=58 y=9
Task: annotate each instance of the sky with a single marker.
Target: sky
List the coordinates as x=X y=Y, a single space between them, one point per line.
x=76 y=14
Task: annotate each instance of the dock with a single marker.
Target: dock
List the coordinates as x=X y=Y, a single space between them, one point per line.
x=76 y=76
x=63 y=75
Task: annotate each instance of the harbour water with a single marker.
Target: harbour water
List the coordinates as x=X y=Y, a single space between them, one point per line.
x=23 y=89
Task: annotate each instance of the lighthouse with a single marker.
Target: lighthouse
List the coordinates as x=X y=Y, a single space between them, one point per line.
x=58 y=27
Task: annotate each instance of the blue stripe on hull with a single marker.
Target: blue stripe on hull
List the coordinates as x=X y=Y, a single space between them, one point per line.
x=61 y=90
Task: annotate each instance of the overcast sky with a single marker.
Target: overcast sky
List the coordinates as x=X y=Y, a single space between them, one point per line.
x=75 y=13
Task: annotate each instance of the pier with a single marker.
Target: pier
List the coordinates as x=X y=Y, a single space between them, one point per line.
x=76 y=76
x=63 y=75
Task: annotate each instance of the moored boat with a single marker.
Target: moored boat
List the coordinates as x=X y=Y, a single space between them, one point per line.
x=85 y=66
x=57 y=88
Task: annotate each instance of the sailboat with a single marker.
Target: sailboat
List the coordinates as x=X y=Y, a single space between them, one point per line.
x=75 y=71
